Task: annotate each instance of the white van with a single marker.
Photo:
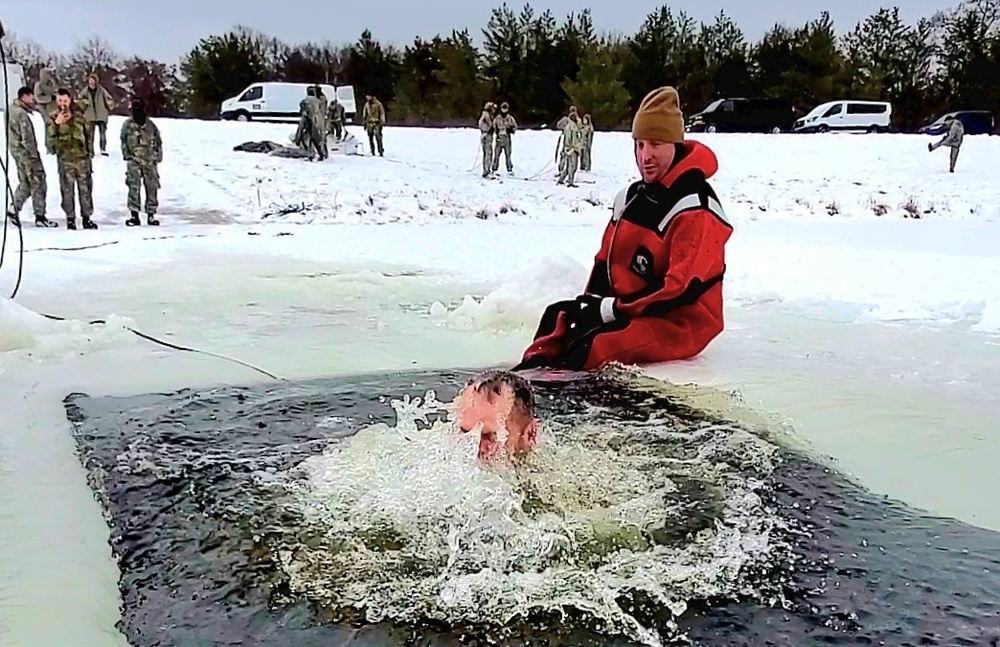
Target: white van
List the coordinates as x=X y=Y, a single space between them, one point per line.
x=870 y=116
x=13 y=80
x=272 y=101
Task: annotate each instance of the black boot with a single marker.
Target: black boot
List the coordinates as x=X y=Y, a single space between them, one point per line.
x=14 y=220
x=71 y=224
x=133 y=221
x=151 y=220
x=89 y=224
x=42 y=221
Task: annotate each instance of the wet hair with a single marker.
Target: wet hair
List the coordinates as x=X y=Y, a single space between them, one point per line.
x=64 y=92
x=25 y=92
x=494 y=381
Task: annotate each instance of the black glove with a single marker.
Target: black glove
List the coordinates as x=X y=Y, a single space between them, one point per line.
x=588 y=315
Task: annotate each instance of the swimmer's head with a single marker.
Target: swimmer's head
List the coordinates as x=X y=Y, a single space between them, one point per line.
x=504 y=404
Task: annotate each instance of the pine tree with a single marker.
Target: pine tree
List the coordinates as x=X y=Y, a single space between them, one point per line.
x=598 y=89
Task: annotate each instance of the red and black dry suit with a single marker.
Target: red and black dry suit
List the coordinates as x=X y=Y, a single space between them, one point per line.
x=655 y=293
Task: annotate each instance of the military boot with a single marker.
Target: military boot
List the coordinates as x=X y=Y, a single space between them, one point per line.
x=89 y=224
x=42 y=221
x=151 y=220
x=14 y=220
x=71 y=224
x=133 y=221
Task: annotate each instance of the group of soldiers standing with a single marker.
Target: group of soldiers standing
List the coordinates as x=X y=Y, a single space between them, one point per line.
x=577 y=141
x=70 y=123
x=319 y=119
x=495 y=133
x=574 y=148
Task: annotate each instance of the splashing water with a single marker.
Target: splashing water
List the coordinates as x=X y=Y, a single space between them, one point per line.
x=605 y=520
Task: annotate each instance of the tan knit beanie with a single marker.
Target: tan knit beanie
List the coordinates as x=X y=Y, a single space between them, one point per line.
x=659 y=117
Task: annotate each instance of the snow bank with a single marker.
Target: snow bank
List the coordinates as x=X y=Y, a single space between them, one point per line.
x=22 y=329
x=855 y=228
x=519 y=299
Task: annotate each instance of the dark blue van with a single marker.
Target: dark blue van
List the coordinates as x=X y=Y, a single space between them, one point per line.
x=975 y=122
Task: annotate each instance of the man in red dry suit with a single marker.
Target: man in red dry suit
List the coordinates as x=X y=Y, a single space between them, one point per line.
x=655 y=293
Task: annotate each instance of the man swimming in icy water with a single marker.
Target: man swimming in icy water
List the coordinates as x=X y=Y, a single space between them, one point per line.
x=655 y=292
x=504 y=405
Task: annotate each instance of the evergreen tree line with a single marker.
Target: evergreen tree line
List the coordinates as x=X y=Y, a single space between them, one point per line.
x=541 y=65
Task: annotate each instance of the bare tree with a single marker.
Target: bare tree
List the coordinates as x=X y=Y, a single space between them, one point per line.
x=32 y=56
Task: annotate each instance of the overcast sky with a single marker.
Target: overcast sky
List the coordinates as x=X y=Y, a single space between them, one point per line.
x=166 y=29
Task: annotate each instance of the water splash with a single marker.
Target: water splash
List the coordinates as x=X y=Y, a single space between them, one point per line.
x=621 y=524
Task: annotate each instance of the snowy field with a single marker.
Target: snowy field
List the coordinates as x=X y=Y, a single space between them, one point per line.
x=863 y=293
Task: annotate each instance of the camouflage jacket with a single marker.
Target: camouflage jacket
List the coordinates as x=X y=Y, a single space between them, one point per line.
x=141 y=144
x=324 y=108
x=97 y=104
x=336 y=113
x=956 y=132
x=69 y=141
x=21 y=135
x=505 y=125
x=310 y=107
x=486 y=123
x=374 y=113
x=45 y=88
x=572 y=137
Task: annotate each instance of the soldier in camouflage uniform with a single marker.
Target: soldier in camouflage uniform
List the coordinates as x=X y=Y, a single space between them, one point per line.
x=561 y=125
x=486 y=137
x=588 y=142
x=374 y=118
x=70 y=142
x=953 y=139
x=142 y=150
x=27 y=159
x=322 y=115
x=308 y=135
x=572 y=144
x=335 y=118
x=504 y=126
x=97 y=105
x=45 y=97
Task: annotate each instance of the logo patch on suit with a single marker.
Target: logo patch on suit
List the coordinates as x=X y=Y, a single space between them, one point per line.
x=642 y=263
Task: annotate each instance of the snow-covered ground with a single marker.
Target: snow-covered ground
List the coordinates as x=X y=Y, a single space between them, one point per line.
x=877 y=334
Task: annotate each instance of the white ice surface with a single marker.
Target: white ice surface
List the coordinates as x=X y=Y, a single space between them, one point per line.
x=875 y=335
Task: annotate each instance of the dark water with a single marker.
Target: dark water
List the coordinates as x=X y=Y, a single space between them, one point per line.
x=173 y=472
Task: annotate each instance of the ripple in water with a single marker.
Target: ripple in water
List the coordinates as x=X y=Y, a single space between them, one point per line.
x=607 y=519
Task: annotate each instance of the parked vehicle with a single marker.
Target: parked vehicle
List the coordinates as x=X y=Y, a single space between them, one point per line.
x=975 y=122
x=869 y=116
x=13 y=80
x=744 y=115
x=273 y=101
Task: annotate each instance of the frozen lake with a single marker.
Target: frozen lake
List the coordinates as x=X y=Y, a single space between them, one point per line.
x=873 y=336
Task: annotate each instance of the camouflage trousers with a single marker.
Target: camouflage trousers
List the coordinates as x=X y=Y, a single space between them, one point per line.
x=30 y=183
x=145 y=176
x=321 y=127
x=585 y=158
x=306 y=137
x=486 y=139
x=337 y=130
x=102 y=128
x=953 y=158
x=375 y=137
x=78 y=177
x=567 y=171
x=502 y=146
